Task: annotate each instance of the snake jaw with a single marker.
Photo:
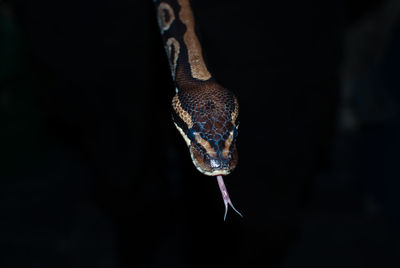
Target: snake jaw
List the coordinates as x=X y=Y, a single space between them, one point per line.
x=212 y=166
x=213 y=170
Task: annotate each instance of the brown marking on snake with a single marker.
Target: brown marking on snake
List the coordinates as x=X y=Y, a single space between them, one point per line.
x=228 y=142
x=176 y=105
x=173 y=44
x=165 y=15
x=197 y=65
x=235 y=113
x=206 y=145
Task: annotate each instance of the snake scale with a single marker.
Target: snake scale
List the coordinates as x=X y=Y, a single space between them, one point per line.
x=204 y=112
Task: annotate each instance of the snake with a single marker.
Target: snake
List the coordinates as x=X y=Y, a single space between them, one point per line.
x=204 y=112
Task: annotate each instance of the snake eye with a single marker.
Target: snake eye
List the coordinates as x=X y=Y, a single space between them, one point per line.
x=190 y=134
x=235 y=131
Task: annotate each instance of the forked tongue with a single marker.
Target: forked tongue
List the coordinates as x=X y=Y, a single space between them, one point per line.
x=225 y=196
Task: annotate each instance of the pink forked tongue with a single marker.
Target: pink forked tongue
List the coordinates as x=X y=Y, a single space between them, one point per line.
x=225 y=196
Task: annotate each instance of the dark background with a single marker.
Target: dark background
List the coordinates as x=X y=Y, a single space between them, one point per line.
x=93 y=173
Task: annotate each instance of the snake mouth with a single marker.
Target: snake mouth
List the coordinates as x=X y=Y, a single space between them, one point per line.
x=208 y=169
x=215 y=172
x=211 y=166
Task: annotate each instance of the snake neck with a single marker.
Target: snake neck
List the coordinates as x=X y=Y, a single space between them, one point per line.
x=182 y=45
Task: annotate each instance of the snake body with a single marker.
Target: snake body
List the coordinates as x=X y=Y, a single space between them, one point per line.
x=204 y=112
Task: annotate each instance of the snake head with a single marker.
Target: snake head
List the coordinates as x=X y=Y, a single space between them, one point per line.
x=207 y=120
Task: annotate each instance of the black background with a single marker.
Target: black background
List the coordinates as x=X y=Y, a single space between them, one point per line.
x=94 y=174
